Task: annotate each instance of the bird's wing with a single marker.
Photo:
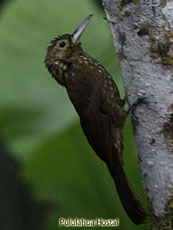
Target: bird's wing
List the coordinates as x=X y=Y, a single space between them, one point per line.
x=96 y=126
x=100 y=118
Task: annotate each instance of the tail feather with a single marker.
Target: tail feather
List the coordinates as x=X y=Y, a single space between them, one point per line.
x=130 y=202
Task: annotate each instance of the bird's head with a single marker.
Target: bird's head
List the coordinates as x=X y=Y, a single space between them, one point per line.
x=65 y=46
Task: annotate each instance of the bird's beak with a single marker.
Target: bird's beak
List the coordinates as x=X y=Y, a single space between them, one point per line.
x=79 y=30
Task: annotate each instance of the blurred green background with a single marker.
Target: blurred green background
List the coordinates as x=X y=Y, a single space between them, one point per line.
x=47 y=168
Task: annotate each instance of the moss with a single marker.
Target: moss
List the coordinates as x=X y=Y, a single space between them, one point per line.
x=160 y=39
x=168 y=60
x=163 y=2
x=127 y=14
x=161 y=44
x=161 y=49
x=164 y=222
x=126 y=2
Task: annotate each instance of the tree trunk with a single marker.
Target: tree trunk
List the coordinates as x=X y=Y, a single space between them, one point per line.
x=143 y=36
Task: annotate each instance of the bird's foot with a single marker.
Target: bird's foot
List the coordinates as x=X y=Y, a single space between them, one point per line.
x=140 y=100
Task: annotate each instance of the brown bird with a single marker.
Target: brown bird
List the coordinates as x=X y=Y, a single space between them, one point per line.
x=96 y=99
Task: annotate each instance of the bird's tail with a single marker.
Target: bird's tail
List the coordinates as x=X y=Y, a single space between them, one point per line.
x=129 y=200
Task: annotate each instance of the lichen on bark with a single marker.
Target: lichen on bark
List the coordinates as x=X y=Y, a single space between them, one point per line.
x=164 y=222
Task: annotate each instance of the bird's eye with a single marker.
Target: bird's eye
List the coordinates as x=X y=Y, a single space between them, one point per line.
x=62 y=44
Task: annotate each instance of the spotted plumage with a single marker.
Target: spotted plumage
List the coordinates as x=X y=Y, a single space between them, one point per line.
x=96 y=99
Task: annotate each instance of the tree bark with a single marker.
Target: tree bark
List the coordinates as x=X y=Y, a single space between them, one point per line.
x=143 y=36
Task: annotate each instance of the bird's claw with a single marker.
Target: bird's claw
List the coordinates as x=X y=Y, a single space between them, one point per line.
x=140 y=100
